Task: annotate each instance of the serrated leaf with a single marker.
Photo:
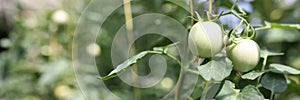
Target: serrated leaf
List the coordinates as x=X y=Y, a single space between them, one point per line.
x=215 y=70
x=283 y=69
x=125 y=65
x=274 y=82
x=252 y=75
x=228 y=92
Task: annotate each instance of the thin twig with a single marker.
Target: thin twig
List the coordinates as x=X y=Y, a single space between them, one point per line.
x=262 y=28
x=234 y=4
x=192 y=11
x=166 y=54
x=181 y=74
x=192 y=71
x=203 y=97
x=272 y=95
x=263 y=67
x=210 y=7
x=238 y=16
x=209 y=13
x=238 y=26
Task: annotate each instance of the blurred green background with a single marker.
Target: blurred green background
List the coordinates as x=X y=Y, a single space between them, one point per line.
x=36 y=44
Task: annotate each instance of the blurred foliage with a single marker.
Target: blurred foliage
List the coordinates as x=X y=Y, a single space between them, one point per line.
x=36 y=45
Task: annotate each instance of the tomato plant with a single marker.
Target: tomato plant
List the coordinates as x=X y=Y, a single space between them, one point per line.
x=150 y=49
x=228 y=61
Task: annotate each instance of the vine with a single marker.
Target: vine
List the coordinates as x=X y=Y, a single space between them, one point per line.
x=222 y=68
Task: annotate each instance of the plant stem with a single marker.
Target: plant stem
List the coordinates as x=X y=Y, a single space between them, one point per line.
x=238 y=16
x=238 y=26
x=264 y=63
x=192 y=71
x=226 y=13
x=263 y=67
x=192 y=12
x=262 y=28
x=181 y=74
x=205 y=91
x=174 y=58
x=209 y=13
x=234 y=13
x=166 y=54
x=269 y=25
x=272 y=95
x=130 y=37
x=178 y=86
x=210 y=6
x=234 y=4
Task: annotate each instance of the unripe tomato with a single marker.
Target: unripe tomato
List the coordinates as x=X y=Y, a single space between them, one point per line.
x=205 y=39
x=244 y=55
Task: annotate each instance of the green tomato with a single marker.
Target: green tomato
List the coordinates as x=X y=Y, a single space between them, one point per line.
x=244 y=55
x=205 y=39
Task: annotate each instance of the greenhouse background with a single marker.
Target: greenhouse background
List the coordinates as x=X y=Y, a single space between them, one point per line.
x=36 y=44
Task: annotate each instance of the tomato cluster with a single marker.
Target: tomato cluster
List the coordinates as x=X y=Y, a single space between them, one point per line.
x=205 y=40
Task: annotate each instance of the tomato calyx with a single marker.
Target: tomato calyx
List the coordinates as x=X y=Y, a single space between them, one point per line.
x=232 y=37
x=247 y=31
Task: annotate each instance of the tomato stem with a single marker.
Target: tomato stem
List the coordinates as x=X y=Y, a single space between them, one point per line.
x=209 y=10
x=203 y=97
x=272 y=95
x=210 y=6
x=234 y=3
x=192 y=71
x=239 y=16
x=130 y=36
x=192 y=12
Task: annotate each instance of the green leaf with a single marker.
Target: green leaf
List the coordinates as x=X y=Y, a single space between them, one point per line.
x=274 y=82
x=228 y=92
x=213 y=89
x=125 y=65
x=250 y=92
x=283 y=69
x=252 y=75
x=199 y=88
x=215 y=70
